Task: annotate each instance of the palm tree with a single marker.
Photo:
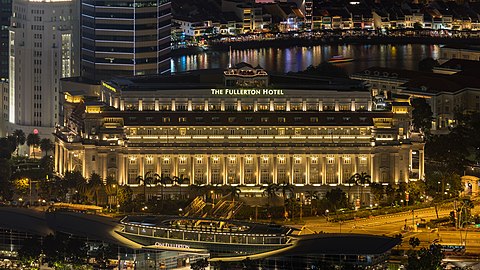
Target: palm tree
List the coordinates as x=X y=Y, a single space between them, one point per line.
x=364 y=179
x=33 y=140
x=20 y=138
x=353 y=180
x=233 y=191
x=76 y=183
x=111 y=188
x=312 y=195
x=271 y=191
x=286 y=188
x=148 y=179
x=46 y=145
x=180 y=180
x=162 y=180
x=95 y=185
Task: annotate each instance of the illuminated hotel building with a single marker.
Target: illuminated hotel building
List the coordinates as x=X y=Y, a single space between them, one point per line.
x=41 y=51
x=240 y=127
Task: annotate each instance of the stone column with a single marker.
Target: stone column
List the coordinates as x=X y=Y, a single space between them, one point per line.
x=257 y=168
x=141 y=168
x=307 y=170
x=121 y=169
x=140 y=104
x=104 y=166
x=242 y=169
x=225 y=172
x=157 y=105
x=290 y=158
x=57 y=155
x=192 y=162
x=324 y=169
x=339 y=172
x=175 y=165
x=421 y=164
x=275 y=173
x=372 y=169
x=209 y=170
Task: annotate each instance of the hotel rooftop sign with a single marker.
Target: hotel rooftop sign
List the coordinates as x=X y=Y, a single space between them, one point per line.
x=247 y=92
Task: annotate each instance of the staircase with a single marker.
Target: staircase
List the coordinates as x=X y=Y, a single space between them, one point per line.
x=195 y=208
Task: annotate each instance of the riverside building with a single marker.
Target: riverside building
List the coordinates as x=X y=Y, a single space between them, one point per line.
x=241 y=127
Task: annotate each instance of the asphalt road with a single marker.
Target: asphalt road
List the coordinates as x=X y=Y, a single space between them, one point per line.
x=394 y=224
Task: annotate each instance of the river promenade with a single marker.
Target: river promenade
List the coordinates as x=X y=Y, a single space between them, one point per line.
x=306 y=39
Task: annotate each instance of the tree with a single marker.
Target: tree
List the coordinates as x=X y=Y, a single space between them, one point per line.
x=7 y=147
x=421 y=115
x=95 y=186
x=30 y=251
x=6 y=187
x=271 y=191
x=76 y=184
x=20 y=138
x=162 y=181
x=414 y=242
x=233 y=192
x=286 y=188
x=313 y=196
x=378 y=192
x=425 y=258
x=200 y=264
x=353 y=180
x=33 y=140
x=180 y=180
x=46 y=145
x=125 y=195
x=360 y=179
x=337 y=199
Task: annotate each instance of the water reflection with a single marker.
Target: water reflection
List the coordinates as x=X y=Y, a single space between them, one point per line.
x=299 y=58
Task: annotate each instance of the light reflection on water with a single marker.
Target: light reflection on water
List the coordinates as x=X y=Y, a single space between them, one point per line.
x=299 y=58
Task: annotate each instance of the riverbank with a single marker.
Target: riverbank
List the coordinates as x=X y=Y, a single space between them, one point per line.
x=333 y=40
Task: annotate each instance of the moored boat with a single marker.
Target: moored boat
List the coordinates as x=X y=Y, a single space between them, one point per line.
x=339 y=59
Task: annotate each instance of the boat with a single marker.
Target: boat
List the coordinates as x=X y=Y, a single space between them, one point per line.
x=339 y=59
x=219 y=237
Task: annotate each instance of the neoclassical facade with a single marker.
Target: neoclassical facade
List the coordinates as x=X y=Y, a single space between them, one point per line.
x=309 y=133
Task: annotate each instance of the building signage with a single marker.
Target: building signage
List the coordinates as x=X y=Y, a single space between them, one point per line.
x=170 y=245
x=247 y=92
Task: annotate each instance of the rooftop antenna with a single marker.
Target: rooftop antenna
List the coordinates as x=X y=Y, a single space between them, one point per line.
x=230 y=57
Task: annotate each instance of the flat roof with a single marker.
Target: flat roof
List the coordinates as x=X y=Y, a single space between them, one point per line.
x=214 y=78
x=249 y=227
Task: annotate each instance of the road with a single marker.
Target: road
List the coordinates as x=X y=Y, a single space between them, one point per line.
x=394 y=224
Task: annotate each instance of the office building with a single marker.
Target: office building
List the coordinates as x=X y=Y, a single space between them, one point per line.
x=125 y=38
x=5 y=14
x=41 y=52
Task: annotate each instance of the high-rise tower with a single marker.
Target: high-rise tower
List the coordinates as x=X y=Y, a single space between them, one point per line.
x=125 y=38
x=5 y=14
x=41 y=51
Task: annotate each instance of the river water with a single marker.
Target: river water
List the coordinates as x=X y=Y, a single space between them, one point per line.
x=299 y=58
